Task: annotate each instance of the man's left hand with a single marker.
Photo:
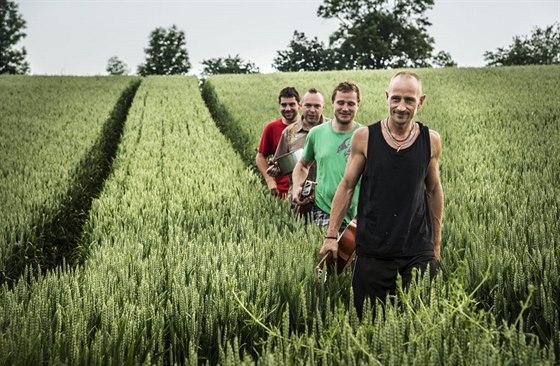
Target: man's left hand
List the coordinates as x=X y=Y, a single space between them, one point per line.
x=273 y=170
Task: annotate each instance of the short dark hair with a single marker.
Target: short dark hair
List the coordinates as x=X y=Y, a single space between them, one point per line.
x=288 y=92
x=346 y=87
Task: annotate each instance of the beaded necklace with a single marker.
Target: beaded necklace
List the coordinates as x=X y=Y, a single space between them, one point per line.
x=400 y=143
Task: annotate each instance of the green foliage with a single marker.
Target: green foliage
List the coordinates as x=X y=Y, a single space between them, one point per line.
x=166 y=53
x=230 y=127
x=116 y=67
x=189 y=261
x=305 y=55
x=56 y=139
x=12 y=24
x=541 y=48
x=228 y=65
x=443 y=59
x=372 y=35
x=380 y=34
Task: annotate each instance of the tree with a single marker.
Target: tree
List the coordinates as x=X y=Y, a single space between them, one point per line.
x=166 y=53
x=228 y=65
x=376 y=34
x=12 y=24
x=116 y=66
x=305 y=55
x=443 y=59
x=542 y=48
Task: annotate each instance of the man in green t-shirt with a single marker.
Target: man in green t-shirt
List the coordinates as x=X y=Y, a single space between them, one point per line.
x=329 y=146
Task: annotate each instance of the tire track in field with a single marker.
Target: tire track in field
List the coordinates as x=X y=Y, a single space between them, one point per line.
x=54 y=241
x=227 y=125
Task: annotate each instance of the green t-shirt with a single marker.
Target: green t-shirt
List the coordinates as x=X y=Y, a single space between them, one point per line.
x=331 y=150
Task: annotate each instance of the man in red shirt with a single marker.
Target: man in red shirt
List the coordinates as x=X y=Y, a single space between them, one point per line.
x=289 y=108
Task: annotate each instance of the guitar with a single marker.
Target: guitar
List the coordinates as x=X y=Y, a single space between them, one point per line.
x=346 y=249
x=307 y=192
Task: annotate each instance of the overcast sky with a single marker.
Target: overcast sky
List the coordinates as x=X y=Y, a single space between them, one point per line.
x=78 y=37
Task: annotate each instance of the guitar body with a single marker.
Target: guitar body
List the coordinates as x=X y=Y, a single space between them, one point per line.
x=347 y=246
x=346 y=251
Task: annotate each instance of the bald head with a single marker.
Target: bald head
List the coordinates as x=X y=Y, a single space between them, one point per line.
x=410 y=76
x=312 y=94
x=312 y=106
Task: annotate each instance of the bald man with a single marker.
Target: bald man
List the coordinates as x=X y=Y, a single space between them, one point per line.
x=400 y=202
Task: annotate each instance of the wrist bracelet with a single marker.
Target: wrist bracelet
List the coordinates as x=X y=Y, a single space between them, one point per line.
x=331 y=237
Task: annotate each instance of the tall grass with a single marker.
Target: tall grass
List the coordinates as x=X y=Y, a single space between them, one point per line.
x=190 y=261
x=56 y=136
x=499 y=169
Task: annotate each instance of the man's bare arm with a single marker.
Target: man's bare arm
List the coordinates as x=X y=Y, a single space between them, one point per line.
x=345 y=191
x=435 y=191
x=262 y=165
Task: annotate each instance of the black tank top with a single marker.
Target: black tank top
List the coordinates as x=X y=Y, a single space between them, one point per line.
x=394 y=217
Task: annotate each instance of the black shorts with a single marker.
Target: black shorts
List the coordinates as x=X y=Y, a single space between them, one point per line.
x=376 y=277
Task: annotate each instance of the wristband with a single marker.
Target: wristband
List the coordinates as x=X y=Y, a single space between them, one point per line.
x=331 y=237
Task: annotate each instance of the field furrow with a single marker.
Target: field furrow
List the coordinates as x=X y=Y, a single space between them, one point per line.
x=57 y=139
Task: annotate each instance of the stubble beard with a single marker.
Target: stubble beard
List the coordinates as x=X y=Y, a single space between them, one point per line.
x=294 y=116
x=312 y=121
x=401 y=119
x=348 y=119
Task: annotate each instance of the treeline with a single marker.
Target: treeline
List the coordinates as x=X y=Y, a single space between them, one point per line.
x=373 y=34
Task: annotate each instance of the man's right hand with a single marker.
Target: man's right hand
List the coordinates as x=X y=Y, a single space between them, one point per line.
x=329 y=245
x=295 y=194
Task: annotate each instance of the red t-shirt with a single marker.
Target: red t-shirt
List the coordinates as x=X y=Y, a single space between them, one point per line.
x=269 y=142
